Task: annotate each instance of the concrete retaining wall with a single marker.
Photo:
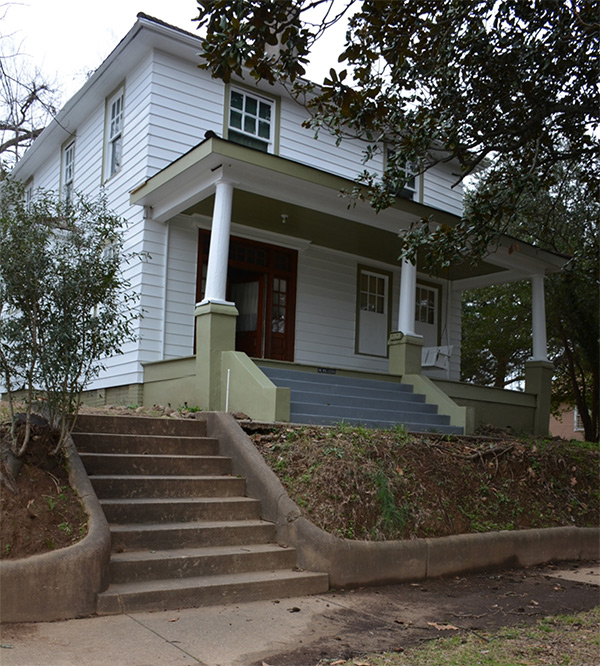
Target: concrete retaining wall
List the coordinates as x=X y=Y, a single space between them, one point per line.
x=355 y=563
x=64 y=583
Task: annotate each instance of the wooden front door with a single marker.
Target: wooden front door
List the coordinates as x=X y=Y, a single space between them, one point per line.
x=261 y=281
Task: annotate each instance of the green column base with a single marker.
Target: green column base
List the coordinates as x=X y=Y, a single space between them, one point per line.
x=215 y=333
x=538 y=380
x=404 y=354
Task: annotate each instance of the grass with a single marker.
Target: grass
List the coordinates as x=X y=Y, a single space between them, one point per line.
x=568 y=640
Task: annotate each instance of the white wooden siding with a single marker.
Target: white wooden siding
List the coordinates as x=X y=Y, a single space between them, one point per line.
x=169 y=105
x=438 y=191
x=326 y=310
x=181 y=289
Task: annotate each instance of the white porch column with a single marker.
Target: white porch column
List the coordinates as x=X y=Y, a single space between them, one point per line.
x=538 y=319
x=218 y=253
x=408 y=290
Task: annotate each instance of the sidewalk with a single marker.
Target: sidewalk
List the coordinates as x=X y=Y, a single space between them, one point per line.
x=301 y=631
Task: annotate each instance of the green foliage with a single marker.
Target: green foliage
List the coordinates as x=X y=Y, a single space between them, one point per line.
x=496 y=327
x=496 y=334
x=507 y=87
x=64 y=304
x=393 y=517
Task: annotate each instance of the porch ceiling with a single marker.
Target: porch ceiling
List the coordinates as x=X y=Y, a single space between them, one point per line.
x=267 y=187
x=325 y=230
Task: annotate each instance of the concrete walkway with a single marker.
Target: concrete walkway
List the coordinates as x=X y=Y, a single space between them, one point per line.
x=302 y=631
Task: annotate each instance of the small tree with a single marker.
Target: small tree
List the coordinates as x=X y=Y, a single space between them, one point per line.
x=496 y=334
x=64 y=304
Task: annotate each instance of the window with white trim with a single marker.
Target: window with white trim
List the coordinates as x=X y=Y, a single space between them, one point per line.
x=114 y=134
x=68 y=170
x=28 y=194
x=425 y=305
x=577 y=422
x=251 y=120
x=408 y=187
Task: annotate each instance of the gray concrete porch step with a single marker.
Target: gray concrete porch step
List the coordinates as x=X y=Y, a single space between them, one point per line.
x=192 y=562
x=311 y=419
x=132 y=485
x=94 y=442
x=182 y=531
x=327 y=399
x=388 y=404
x=325 y=378
x=163 y=464
x=190 y=534
x=367 y=414
x=209 y=591
x=145 y=425
x=177 y=510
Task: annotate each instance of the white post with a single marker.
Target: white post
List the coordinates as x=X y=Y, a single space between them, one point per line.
x=218 y=254
x=408 y=290
x=538 y=319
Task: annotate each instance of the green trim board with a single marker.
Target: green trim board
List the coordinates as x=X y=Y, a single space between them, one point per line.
x=249 y=165
x=325 y=230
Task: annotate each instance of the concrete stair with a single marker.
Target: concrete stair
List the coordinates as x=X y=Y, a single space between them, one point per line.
x=183 y=532
x=326 y=399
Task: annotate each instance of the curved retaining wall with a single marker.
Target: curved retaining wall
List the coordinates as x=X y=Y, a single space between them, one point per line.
x=64 y=583
x=356 y=563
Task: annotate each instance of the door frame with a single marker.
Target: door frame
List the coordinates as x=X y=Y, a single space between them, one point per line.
x=273 y=261
x=360 y=269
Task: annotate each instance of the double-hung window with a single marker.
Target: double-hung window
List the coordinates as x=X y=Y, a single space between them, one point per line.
x=251 y=120
x=28 y=194
x=68 y=171
x=114 y=134
x=406 y=187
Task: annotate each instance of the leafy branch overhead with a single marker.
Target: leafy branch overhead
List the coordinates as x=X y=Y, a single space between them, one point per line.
x=507 y=91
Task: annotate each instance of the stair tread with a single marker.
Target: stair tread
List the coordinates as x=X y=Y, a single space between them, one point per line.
x=205 y=551
x=142 y=435
x=160 y=477
x=144 y=501
x=188 y=524
x=237 y=579
x=147 y=456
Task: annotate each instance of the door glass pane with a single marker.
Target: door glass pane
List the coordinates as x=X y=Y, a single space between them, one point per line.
x=278 y=310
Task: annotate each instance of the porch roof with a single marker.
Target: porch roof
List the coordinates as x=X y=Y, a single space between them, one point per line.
x=267 y=187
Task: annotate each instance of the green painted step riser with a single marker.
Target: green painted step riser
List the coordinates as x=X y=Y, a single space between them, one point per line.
x=172 y=513
x=111 y=604
x=149 y=465
x=129 y=572
x=191 y=538
x=176 y=487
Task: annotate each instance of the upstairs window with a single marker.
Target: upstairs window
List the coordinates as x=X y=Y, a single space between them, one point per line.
x=407 y=185
x=114 y=134
x=68 y=171
x=251 y=120
x=28 y=194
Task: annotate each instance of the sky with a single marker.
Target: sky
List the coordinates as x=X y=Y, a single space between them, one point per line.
x=66 y=39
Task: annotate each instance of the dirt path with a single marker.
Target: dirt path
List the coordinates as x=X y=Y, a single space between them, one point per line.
x=395 y=617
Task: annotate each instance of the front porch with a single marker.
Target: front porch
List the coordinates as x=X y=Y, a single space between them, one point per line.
x=222 y=379
x=301 y=281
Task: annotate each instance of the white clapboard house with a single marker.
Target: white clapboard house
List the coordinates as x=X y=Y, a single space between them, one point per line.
x=264 y=292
